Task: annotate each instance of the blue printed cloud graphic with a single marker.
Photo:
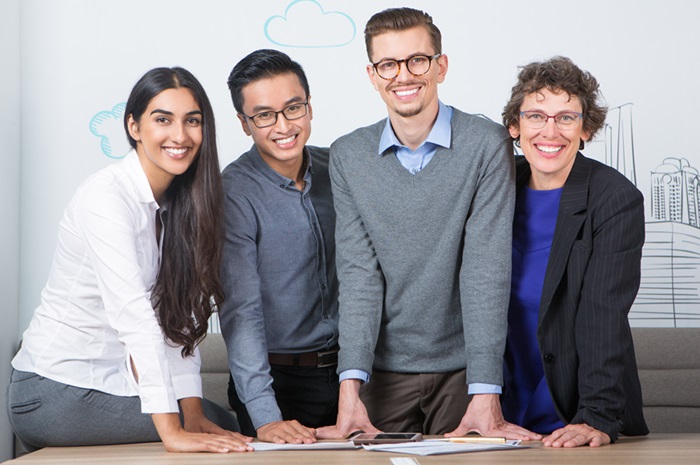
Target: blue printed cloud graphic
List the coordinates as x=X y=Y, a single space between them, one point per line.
x=108 y=126
x=306 y=25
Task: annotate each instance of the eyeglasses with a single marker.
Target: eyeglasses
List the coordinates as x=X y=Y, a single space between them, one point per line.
x=538 y=120
x=269 y=118
x=417 y=65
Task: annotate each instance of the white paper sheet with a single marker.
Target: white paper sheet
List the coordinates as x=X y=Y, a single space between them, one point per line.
x=321 y=445
x=434 y=447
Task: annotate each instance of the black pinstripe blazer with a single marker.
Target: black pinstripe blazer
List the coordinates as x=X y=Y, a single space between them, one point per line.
x=590 y=284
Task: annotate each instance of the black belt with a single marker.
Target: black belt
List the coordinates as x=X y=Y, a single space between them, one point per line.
x=322 y=359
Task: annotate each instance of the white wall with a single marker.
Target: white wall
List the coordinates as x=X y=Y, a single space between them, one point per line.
x=80 y=58
x=9 y=203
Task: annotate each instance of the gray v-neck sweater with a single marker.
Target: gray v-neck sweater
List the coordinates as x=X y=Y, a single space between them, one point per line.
x=424 y=260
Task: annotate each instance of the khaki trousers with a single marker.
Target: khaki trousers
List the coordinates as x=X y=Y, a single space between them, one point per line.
x=429 y=403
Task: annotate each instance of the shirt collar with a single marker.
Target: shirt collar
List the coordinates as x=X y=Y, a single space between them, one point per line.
x=273 y=175
x=133 y=167
x=440 y=134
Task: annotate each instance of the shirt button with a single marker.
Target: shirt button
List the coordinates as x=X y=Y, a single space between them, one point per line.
x=323 y=287
x=282 y=186
x=549 y=358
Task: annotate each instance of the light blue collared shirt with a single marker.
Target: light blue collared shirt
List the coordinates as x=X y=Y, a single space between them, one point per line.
x=414 y=161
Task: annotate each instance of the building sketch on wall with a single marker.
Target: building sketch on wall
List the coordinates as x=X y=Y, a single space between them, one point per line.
x=619 y=141
x=669 y=294
x=670 y=290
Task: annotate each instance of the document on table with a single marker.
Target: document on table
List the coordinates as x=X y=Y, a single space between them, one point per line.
x=438 y=447
x=321 y=445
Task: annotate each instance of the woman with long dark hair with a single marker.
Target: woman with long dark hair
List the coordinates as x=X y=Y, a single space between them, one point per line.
x=134 y=279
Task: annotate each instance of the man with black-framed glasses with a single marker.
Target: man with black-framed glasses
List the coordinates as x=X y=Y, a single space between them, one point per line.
x=280 y=314
x=424 y=203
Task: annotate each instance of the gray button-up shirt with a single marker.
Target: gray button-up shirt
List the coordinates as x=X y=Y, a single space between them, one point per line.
x=278 y=272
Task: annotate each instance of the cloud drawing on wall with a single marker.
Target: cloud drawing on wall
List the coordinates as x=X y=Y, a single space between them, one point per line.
x=108 y=125
x=305 y=25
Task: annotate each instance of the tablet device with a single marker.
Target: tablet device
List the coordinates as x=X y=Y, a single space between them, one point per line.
x=385 y=438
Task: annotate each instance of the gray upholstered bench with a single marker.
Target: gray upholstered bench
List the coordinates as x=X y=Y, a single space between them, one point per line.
x=214 y=369
x=668 y=360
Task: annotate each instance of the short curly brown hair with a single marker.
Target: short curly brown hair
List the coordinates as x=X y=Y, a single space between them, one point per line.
x=558 y=74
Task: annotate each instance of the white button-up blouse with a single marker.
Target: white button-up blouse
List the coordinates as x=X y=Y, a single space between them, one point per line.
x=95 y=311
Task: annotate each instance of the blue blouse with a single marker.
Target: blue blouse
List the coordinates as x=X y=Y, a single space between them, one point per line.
x=526 y=399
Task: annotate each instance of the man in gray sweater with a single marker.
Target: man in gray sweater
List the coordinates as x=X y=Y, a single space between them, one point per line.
x=424 y=203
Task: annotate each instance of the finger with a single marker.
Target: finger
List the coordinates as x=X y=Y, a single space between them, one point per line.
x=329 y=432
x=461 y=430
x=575 y=441
x=224 y=444
x=270 y=435
x=513 y=431
x=239 y=436
x=214 y=429
x=292 y=433
x=301 y=431
x=282 y=435
x=306 y=434
x=513 y=434
x=368 y=427
x=217 y=448
x=554 y=439
x=548 y=440
x=566 y=439
x=241 y=444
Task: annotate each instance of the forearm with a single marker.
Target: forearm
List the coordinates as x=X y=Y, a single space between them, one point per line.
x=244 y=334
x=603 y=337
x=195 y=420
x=242 y=317
x=247 y=356
x=168 y=426
x=191 y=407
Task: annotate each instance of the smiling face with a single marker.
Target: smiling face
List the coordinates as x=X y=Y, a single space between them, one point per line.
x=550 y=151
x=281 y=145
x=168 y=136
x=407 y=95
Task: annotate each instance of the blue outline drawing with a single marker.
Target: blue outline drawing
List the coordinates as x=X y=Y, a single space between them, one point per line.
x=96 y=123
x=313 y=35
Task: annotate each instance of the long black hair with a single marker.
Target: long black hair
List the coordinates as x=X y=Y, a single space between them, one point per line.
x=188 y=286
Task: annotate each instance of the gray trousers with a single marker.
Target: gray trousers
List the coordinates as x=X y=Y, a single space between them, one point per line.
x=45 y=413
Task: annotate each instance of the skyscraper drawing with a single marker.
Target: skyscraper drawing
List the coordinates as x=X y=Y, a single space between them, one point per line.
x=669 y=294
x=674 y=187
